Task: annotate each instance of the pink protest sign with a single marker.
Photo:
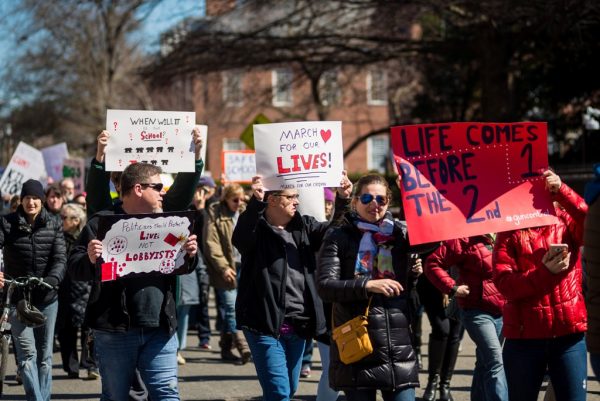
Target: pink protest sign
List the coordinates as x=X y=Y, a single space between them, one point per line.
x=465 y=179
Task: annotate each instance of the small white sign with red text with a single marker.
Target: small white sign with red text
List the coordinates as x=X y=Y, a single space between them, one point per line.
x=297 y=155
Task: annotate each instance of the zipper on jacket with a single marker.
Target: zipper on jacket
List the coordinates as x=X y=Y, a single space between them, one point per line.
x=389 y=336
x=282 y=291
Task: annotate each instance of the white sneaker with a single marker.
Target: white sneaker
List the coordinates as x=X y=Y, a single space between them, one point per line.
x=180 y=359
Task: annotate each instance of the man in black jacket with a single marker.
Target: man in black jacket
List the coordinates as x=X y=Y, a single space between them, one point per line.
x=133 y=319
x=277 y=304
x=33 y=244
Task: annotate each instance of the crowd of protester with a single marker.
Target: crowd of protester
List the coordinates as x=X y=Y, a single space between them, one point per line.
x=283 y=280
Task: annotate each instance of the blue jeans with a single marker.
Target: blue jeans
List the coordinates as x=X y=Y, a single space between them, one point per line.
x=34 y=352
x=277 y=362
x=324 y=392
x=226 y=298
x=405 y=394
x=151 y=350
x=183 y=318
x=526 y=362
x=489 y=380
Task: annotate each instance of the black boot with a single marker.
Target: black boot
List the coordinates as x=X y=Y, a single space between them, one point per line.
x=225 y=343
x=417 y=332
x=447 y=370
x=436 y=355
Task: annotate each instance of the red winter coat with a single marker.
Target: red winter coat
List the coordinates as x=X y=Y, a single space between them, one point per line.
x=474 y=261
x=541 y=304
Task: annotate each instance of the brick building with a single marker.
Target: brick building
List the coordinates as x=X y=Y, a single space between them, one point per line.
x=228 y=100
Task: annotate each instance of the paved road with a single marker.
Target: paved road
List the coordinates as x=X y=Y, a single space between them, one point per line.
x=205 y=377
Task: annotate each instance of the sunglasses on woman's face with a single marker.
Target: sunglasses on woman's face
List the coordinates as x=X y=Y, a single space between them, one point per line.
x=381 y=200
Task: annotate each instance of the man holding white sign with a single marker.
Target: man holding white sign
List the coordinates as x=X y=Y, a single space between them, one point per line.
x=134 y=318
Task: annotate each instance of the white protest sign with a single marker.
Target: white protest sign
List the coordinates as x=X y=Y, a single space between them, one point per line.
x=26 y=163
x=312 y=203
x=204 y=134
x=162 y=138
x=53 y=159
x=238 y=165
x=149 y=244
x=300 y=154
x=74 y=168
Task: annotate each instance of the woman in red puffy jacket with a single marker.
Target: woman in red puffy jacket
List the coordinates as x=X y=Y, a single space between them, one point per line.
x=545 y=316
x=481 y=306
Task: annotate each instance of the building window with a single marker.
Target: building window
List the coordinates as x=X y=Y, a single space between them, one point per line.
x=232 y=88
x=329 y=88
x=233 y=144
x=282 y=87
x=377 y=87
x=378 y=150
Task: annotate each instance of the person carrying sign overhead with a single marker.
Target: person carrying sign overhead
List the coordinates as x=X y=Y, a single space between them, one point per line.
x=133 y=319
x=277 y=305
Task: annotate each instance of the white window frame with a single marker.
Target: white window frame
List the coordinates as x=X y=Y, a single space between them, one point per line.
x=371 y=146
x=282 y=97
x=233 y=144
x=372 y=100
x=233 y=88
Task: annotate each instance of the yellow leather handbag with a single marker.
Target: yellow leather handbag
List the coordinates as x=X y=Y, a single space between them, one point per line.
x=352 y=338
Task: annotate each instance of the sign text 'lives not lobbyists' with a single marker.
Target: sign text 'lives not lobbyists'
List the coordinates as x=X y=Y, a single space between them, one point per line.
x=465 y=179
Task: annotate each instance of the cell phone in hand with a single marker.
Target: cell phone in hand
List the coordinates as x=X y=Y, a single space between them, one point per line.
x=556 y=249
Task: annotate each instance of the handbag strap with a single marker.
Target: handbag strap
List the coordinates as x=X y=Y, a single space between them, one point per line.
x=365 y=315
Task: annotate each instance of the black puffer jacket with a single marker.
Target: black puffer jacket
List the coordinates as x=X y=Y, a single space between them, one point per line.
x=392 y=365
x=37 y=250
x=73 y=295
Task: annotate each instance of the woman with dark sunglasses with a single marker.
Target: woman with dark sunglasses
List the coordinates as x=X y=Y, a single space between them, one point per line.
x=365 y=262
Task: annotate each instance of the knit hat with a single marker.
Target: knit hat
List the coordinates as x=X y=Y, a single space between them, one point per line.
x=33 y=188
x=329 y=195
x=206 y=181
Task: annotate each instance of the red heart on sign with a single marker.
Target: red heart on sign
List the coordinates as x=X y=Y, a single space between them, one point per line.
x=325 y=135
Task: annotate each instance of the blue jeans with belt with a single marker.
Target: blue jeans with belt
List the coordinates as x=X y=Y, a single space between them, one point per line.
x=489 y=380
x=34 y=352
x=527 y=360
x=277 y=362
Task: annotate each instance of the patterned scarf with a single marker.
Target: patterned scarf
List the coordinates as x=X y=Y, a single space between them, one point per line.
x=374 y=257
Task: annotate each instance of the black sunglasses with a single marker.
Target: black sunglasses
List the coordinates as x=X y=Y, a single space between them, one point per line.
x=365 y=199
x=157 y=186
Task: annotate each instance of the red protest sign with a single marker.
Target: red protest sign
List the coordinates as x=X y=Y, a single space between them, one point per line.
x=465 y=179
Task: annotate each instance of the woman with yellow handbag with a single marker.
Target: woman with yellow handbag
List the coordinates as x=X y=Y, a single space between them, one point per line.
x=364 y=269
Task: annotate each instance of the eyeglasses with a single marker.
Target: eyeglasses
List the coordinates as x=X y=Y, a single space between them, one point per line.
x=289 y=197
x=365 y=199
x=63 y=217
x=157 y=186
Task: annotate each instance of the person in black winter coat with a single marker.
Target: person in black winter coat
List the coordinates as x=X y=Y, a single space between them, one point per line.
x=367 y=258
x=277 y=304
x=33 y=244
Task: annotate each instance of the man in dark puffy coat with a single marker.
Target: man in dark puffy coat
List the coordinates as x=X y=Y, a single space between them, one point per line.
x=591 y=253
x=34 y=245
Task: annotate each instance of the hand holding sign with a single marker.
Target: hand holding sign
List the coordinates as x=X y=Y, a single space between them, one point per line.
x=102 y=141
x=553 y=181
x=191 y=245
x=344 y=191
x=258 y=190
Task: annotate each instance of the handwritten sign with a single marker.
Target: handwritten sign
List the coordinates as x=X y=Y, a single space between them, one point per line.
x=26 y=163
x=300 y=154
x=312 y=203
x=143 y=243
x=74 y=168
x=53 y=159
x=238 y=165
x=464 y=179
x=162 y=138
